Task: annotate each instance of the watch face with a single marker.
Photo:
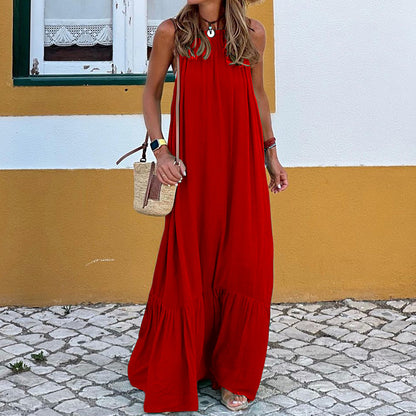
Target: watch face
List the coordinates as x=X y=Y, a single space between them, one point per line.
x=154 y=144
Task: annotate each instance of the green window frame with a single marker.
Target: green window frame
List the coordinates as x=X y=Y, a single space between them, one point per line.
x=21 y=54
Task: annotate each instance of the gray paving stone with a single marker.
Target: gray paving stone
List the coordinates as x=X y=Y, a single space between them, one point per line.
x=335 y=331
x=310 y=307
x=10 y=330
x=94 y=392
x=362 y=306
x=363 y=387
x=46 y=412
x=6 y=384
x=386 y=396
x=282 y=400
x=52 y=346
x=71 y=406
x=408 y=406
x=342 y=377
x=342 y=360
x=366 y=403
x=397 y=304
x=62 y=333
x=410 y=308
x=310 y=327
x=315 y=352
x=283 y=384
x=323 y=386
x=317 y=317
x=303 y=409
x=395 y=326
x=378 y=378
x=378 y=333
x=113 y=402
x=306 y=376
x=389 y=355
x=42 y=389
x=27 y=379
x=387 y=314
x=396 y=370
x=376 y=343
x=59 y=396
x=92 y=331
x=405 y=337
x=345 y=395
x=357 y=353
x=103 y=376
x=341 y=409
x=324 y=402
x=385 y=410
x=304 y=395
x=18 y=349
x=28 y=404
x=11 y=395
x=354 y=337
x=60 y=376
x=357 y=326
x=360 y=369
x=397 y=387
x=292 y=332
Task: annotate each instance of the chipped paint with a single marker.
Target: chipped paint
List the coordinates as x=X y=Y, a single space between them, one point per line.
x=35 y=67
x=98 y=260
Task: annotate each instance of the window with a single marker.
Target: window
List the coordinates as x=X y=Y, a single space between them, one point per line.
x=77 y=42
x=87 y=37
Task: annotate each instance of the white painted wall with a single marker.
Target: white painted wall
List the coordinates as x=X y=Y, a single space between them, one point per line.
x=346 y=96
x=346 y=82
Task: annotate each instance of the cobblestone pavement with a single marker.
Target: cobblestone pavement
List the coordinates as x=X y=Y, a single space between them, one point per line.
x=327 y=358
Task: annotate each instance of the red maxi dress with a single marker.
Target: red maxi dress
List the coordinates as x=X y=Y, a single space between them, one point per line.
x=208 y=310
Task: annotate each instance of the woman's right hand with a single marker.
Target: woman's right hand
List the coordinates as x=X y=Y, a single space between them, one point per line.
x=167 y=171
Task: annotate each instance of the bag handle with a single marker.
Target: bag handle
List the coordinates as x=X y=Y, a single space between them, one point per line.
x=145 y=143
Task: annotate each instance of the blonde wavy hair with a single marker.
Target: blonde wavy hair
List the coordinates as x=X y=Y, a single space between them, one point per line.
x=239 y=46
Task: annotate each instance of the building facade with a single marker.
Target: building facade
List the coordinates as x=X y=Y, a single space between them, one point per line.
x=340 y=81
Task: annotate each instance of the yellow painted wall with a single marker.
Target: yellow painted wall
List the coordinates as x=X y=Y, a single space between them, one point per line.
x=71 y=236
x=99 y=99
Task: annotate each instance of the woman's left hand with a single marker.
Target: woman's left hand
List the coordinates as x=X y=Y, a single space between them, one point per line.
x=278 y=175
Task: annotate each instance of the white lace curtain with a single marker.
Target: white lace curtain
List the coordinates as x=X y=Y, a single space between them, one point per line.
x=159 y=10
x=78 y=22
x=89 y=22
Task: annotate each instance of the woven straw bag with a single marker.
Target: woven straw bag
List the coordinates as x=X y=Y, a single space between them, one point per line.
x=151 y=197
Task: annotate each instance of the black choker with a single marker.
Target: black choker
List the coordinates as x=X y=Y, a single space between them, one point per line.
x=211 y=31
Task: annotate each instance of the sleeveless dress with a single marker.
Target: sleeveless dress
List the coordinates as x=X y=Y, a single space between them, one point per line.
x=208 y=310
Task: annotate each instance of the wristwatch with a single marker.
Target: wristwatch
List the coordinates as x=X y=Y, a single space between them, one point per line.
x=157 y=143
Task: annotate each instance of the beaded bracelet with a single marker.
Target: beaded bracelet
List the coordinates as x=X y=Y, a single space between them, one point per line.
x=270 y=143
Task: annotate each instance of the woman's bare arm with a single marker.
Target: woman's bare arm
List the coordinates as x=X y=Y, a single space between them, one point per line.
x=161 y=58
x=278 y=175
x=259 y=40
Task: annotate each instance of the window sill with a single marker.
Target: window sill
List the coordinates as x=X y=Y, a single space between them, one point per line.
x=71 y=80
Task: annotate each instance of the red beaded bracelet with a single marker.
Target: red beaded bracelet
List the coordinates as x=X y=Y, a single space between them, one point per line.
x=269 y=143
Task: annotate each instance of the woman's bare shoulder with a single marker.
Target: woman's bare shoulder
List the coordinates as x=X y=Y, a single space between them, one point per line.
x=257 y=28
x=257 y=33
x=165 y=32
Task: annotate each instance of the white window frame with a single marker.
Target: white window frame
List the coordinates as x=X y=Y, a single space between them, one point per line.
x=129 y=43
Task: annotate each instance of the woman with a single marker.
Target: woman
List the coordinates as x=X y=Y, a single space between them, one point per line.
x=208 y=311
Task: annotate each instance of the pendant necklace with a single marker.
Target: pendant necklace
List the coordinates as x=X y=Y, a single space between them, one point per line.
x=211 y=31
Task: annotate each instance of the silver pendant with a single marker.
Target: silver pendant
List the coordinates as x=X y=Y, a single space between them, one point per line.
x=210 y=32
